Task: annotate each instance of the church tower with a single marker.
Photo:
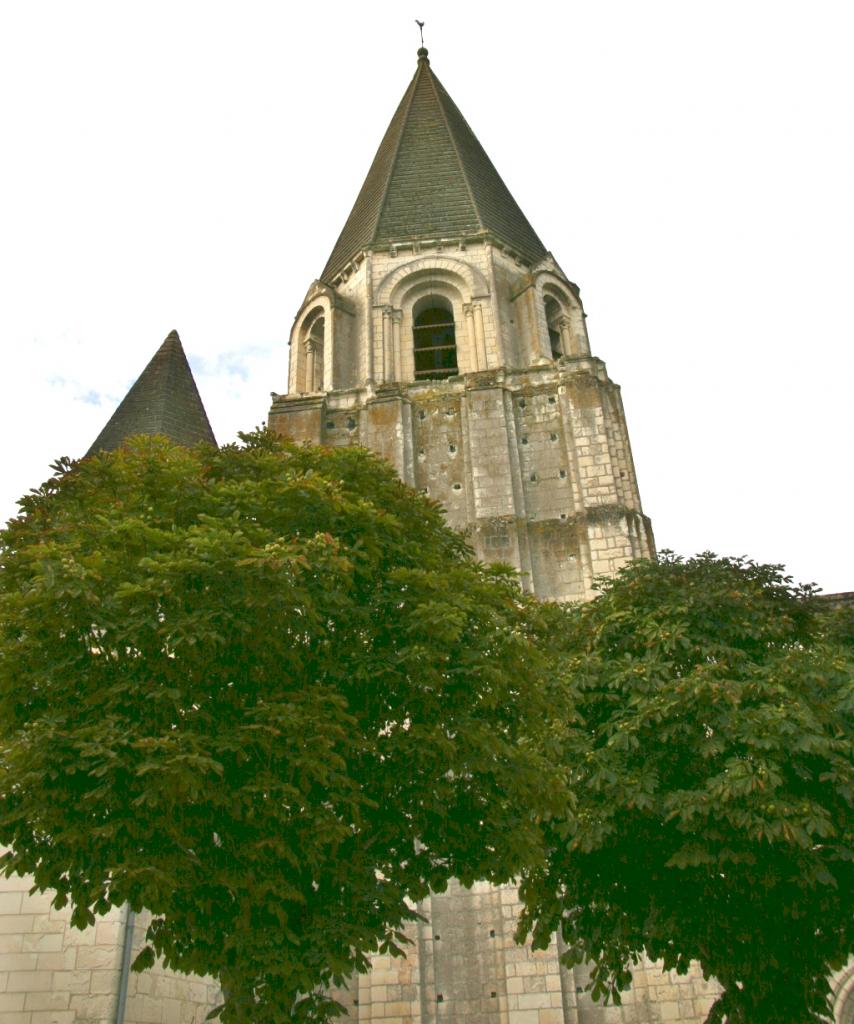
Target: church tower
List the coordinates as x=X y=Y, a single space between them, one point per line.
x=444 y=336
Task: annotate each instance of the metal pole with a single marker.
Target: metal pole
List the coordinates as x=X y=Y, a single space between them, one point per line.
x=124 y=976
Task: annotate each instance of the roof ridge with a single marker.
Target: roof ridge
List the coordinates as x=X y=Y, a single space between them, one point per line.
x=456 y=148
x=410 y=93
x=345 y=245
x=172 y=349
x=532 y=246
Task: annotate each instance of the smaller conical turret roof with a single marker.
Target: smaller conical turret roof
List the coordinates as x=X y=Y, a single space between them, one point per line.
x=430 y=179
x=164 y=400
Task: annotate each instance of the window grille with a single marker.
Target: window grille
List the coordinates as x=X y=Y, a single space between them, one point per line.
x=435 y=344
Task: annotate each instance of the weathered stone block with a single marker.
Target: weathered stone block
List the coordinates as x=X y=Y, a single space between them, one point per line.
x=29 y=981
x=56 y=1000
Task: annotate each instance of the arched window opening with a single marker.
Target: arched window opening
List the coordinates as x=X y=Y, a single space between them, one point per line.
x=314 y=337
x=435 y=343
x=553 y=315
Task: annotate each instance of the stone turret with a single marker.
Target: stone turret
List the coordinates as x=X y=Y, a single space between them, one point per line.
x=443 y=335
x=164 y=400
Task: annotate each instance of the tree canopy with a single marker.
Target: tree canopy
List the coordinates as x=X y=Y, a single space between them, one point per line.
x=710 y=706
x=266 y=693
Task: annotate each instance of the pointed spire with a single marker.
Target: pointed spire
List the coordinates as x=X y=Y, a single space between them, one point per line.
x=164 y=400
x=431 y=178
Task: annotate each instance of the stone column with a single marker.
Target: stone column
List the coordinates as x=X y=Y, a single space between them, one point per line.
x=480 y=337
x=566 y=345
x=396 y=320
x=471 y=342
x=308 y=378
x=387 y=367
x=369 y=320
x=579 y=330
x=327 y=360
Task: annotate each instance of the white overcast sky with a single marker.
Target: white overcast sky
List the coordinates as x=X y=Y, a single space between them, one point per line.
x=690 y=165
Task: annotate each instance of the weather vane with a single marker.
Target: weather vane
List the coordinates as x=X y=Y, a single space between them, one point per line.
x=420 y=25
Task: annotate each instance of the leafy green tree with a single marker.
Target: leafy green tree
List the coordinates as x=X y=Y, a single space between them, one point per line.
x=265 y=692
x=709 y=741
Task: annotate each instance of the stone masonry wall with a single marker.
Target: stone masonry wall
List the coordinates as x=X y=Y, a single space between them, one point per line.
x=161 y=996
x=535 y=464
x=529 y=455
x=53 y=973
x=463 y=966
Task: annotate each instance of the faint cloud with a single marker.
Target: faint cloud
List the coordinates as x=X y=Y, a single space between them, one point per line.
x=76 y=391
x=234 y=365
x=240 y=365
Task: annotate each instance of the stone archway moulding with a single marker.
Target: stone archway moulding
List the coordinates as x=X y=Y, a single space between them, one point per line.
x=573 y=330
x=302 y=356
x=546 y=280
x=475 y=282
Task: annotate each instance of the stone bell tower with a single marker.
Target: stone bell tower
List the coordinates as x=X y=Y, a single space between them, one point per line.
x=444 y=336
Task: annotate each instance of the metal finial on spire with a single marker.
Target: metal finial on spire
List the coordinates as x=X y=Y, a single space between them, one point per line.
x=420 y=25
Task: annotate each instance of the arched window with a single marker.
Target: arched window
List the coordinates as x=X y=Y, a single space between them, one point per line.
x=313 y=335
x=553 y=315
x=435 y=342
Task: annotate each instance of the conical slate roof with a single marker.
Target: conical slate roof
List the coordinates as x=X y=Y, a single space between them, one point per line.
x=431 y=178
x=164 y=400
